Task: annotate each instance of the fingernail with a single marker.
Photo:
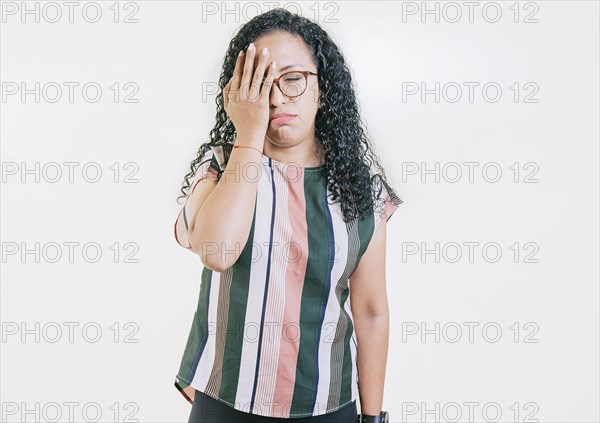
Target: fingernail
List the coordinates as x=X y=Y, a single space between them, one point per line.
x=251 y=46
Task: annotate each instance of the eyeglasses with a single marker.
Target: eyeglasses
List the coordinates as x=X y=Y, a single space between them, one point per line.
x=293 y=84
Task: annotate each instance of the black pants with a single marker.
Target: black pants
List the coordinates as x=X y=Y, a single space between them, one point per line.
x=209 y=410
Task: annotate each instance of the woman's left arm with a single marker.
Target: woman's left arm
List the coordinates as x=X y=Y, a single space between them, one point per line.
x=368 y=300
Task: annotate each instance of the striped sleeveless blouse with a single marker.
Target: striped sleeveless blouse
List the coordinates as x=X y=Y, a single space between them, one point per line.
x=273 y=334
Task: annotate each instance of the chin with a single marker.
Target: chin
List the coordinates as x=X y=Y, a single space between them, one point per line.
x=282 y=133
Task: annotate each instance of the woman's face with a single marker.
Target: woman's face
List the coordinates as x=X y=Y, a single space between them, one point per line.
x=291 y=54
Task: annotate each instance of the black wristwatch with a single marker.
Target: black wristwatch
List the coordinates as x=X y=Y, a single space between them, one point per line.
x=383 y=417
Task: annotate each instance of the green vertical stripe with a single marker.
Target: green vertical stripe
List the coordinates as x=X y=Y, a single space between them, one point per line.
x=314 y=293
x=198 y=333
x=236 y=319
x=365 y=233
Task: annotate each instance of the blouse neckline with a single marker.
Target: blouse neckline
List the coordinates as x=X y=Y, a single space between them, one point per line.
x=278 y=163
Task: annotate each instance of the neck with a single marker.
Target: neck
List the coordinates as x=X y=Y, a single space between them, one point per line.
x=305 y=154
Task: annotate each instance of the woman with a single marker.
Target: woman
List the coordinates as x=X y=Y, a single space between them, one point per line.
x=283 y=203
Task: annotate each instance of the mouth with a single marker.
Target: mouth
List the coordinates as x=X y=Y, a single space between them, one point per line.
x=281 y=118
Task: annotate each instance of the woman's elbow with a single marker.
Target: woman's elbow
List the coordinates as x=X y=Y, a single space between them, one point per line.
x=214 y=255
x=215 y=265
x=210 y=256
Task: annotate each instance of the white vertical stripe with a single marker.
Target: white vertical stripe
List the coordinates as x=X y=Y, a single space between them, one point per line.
x=256 y=289
x=333 y=309
x=355 y=240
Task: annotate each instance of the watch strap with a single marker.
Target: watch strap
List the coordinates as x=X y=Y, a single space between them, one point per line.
x=366 y=418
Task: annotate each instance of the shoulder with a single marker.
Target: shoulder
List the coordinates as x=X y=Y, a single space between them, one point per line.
x=386 y=201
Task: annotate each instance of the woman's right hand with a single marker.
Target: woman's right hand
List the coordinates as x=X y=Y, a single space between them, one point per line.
x=246 y=97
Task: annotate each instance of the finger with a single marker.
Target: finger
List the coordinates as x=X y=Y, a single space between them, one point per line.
x=268 y=83
x=259 y=74
x=233 y=84
x=248 y=66
x=231 y=88
x=237 y=71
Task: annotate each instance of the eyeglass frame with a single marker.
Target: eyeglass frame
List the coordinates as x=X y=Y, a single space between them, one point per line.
x=305 y=73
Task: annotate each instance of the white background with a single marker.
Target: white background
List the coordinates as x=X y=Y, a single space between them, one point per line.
x=173 y=54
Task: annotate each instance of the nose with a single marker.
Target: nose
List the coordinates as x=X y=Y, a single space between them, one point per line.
x=276 y=96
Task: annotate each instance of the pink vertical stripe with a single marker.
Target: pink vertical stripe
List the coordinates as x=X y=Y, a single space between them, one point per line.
x=295 y=273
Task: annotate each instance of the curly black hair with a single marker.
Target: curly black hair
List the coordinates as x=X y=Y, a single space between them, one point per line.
x=349 y=153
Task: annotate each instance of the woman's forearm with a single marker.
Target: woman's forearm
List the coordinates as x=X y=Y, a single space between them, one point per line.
x=222 y=224
x=372 y=337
